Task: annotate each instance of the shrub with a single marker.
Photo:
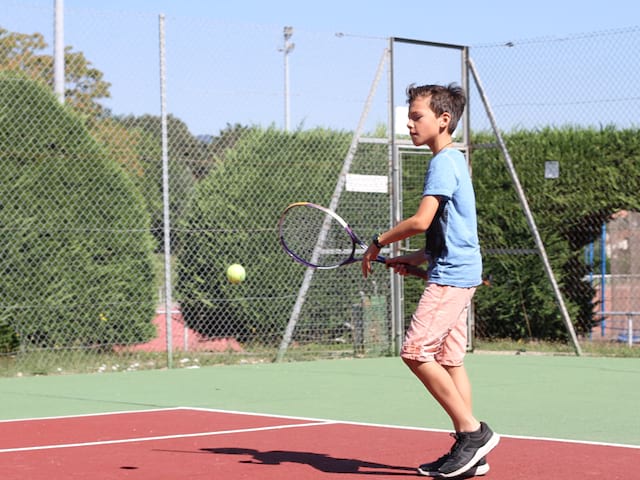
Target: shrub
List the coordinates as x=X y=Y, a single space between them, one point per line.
x=77 y=265
x=233 y=218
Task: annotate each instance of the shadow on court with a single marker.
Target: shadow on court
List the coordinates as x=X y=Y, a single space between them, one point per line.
x=319 y=461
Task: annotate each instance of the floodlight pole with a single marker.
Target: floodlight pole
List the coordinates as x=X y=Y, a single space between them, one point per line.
x=58 y=50
x=168 y=302
x=287 y=49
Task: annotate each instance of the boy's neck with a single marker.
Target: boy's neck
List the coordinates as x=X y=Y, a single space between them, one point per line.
x=441 y=143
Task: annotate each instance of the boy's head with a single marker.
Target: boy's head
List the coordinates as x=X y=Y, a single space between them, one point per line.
x=450 y=99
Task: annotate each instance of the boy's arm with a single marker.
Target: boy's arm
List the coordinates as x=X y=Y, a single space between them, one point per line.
x=414 y=258
x=402 y=264
x=414 y=225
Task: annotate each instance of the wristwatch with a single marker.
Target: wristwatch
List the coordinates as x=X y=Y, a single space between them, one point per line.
x=376 y=242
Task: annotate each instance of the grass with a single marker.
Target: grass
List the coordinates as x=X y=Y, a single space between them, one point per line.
x=590 y=348
x=72 y=361
x=59 y=362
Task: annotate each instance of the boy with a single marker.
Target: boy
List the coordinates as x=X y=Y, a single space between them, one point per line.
x=435 y=343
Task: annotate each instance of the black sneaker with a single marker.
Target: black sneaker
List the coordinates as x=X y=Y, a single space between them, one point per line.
x=431 y=469
x=478 y=470
x=469 y=448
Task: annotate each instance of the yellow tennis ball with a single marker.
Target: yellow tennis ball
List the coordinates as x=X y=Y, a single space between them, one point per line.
x=236 y=273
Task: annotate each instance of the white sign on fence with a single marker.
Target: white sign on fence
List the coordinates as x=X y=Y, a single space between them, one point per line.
x=367 y=183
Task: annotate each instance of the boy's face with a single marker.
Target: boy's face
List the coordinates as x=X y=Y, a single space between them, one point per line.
x=424 y=127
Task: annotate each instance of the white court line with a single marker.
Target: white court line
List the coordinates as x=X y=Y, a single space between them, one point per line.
x=313 y=422
x=423 y=429
x=82 y=415
x=163 y=437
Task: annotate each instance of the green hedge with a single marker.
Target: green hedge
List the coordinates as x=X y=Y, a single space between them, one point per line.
x=233 y=218
x=77 y=264
x=599 y=176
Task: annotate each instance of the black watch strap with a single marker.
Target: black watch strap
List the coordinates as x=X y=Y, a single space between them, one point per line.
x=376 y=242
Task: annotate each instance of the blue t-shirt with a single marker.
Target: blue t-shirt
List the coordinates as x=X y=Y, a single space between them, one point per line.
x=452 y=239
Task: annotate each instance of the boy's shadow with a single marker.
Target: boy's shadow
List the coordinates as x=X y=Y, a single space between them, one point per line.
x=319 y=461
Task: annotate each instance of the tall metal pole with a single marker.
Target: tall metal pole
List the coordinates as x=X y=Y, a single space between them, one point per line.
x=58 y=50
x=287 y=49
x=395 y=170
x=466 y=140
x=168 y=304
x=603 y=278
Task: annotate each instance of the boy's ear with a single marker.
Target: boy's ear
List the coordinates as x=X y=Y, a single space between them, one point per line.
x=445 y=118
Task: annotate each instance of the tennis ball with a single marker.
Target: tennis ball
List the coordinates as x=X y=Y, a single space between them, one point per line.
x=236 y=273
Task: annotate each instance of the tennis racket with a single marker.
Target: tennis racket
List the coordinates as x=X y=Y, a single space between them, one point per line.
x=319 y=238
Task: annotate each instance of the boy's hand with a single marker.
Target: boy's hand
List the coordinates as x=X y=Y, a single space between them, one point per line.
x=408 y=264
x=399 y=268
x=399 y=264
x=369 y=256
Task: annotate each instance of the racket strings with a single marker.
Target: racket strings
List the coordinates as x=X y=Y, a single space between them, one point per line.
x=315 y=237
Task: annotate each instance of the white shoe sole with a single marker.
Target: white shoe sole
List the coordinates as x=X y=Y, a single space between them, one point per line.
x=482 y=451
x=477 y=471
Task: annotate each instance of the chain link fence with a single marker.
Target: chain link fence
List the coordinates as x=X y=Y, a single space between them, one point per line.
x=83 y=216
x=568 y=108
x=86 y=289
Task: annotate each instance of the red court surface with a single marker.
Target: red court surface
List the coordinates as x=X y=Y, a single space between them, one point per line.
x=204 y=444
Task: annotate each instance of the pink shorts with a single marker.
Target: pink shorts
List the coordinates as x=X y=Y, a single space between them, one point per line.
x=438 y=330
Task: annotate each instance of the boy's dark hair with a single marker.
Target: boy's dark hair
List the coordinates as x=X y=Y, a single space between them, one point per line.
x=450 y=98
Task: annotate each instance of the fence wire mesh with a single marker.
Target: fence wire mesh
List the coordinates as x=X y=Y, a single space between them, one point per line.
x=83 y=214
x=568 y=110
x=81 y=209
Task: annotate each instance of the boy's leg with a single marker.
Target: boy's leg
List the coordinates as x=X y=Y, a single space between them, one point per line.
x=442 y=387
x=462 y=383
x=461 y=380
x=434 y=350
x=453 y=351
x=474 y=440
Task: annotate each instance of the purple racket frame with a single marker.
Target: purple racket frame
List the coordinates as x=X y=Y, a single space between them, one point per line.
x=355 y=241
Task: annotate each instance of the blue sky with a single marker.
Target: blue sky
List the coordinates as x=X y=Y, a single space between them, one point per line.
x=465 y=22
x=468 y=22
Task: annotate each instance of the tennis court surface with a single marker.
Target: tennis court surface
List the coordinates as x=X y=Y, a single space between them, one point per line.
x=193 y=443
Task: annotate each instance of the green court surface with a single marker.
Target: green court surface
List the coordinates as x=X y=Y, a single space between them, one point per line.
x=574 y=398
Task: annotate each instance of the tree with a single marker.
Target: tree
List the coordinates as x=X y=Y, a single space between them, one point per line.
x=232 y=218
x=185 y=152
x=84 y=84
x=77 y=260
x=191 y=158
